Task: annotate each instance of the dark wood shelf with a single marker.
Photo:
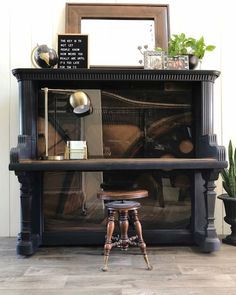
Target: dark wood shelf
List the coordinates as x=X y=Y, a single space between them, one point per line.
x=117 y=164
x=114 y=74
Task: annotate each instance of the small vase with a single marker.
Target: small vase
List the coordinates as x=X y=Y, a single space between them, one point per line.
x=193 y=61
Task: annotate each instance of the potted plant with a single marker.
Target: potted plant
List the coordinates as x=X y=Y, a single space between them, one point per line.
x=178 y=45
x=194 y=48
x=229 y=198
x=198 y=48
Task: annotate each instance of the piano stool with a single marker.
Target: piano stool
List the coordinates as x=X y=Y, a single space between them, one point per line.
x=121 y=202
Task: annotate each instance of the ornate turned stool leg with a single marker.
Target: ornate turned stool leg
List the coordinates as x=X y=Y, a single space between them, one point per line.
x=141 y=242
x=124 y=225
x=108 y=244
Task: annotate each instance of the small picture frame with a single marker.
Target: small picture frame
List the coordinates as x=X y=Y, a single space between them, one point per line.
x=153 y=60
x=180 y=62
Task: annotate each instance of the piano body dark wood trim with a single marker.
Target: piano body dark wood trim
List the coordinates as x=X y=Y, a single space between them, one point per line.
x=206 y=166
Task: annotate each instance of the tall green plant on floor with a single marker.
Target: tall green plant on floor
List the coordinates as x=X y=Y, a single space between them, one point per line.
x=229 y=198
x=229 y=174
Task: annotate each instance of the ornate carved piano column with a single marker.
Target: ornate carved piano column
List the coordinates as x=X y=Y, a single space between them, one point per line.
x=25 y=239
x=210 y=240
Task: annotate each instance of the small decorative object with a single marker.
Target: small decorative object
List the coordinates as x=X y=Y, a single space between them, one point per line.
x=72 y=51
x=142 y=52
x=176 y=62
x=229 y=198
x=153 y=59
x=76 y=149
x=44 y=57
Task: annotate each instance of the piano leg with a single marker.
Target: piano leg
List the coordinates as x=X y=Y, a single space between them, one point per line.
x=207 y=239
x=27 y=242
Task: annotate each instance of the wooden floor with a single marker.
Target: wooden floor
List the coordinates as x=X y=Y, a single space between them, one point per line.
x=76 y=270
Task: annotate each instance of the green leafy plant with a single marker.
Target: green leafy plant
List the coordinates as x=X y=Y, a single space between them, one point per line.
x=182 y=45
x=229 y=174
x=178 y=45
x=198 y=47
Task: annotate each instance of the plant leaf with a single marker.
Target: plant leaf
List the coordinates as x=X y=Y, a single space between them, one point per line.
x=229 y=175
x=230 y=154
x=210 y=47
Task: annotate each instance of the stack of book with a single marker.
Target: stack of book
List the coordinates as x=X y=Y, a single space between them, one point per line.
x=76 y=149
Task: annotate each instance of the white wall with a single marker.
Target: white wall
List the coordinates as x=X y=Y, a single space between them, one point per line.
x=24 y=23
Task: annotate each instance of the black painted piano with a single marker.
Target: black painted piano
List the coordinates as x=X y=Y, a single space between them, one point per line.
x=149 y=129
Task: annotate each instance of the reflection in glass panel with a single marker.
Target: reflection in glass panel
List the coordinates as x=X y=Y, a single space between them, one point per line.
x=125 y=123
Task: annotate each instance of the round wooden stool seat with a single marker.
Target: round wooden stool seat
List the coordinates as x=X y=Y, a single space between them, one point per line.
x=121 y=202
x=122 y=195
x=122 y=205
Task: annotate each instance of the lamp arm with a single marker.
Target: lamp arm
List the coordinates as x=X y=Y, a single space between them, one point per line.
x=46 y=119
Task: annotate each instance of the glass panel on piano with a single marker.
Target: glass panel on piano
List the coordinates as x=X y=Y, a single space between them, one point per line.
x=125 y=123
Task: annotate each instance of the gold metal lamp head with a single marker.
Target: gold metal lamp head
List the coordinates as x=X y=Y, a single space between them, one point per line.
x=81 y=103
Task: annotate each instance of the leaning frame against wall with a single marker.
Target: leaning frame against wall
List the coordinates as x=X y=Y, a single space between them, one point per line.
x=159 y=13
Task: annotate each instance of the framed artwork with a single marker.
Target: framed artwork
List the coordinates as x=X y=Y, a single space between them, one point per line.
x=180 y=62
x=116 y=30
x=153 y=60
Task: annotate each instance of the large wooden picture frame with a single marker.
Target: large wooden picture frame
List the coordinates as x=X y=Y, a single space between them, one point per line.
x=159 y=14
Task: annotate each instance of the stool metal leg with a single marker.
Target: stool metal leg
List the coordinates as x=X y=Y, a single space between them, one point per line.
x=141 y=242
